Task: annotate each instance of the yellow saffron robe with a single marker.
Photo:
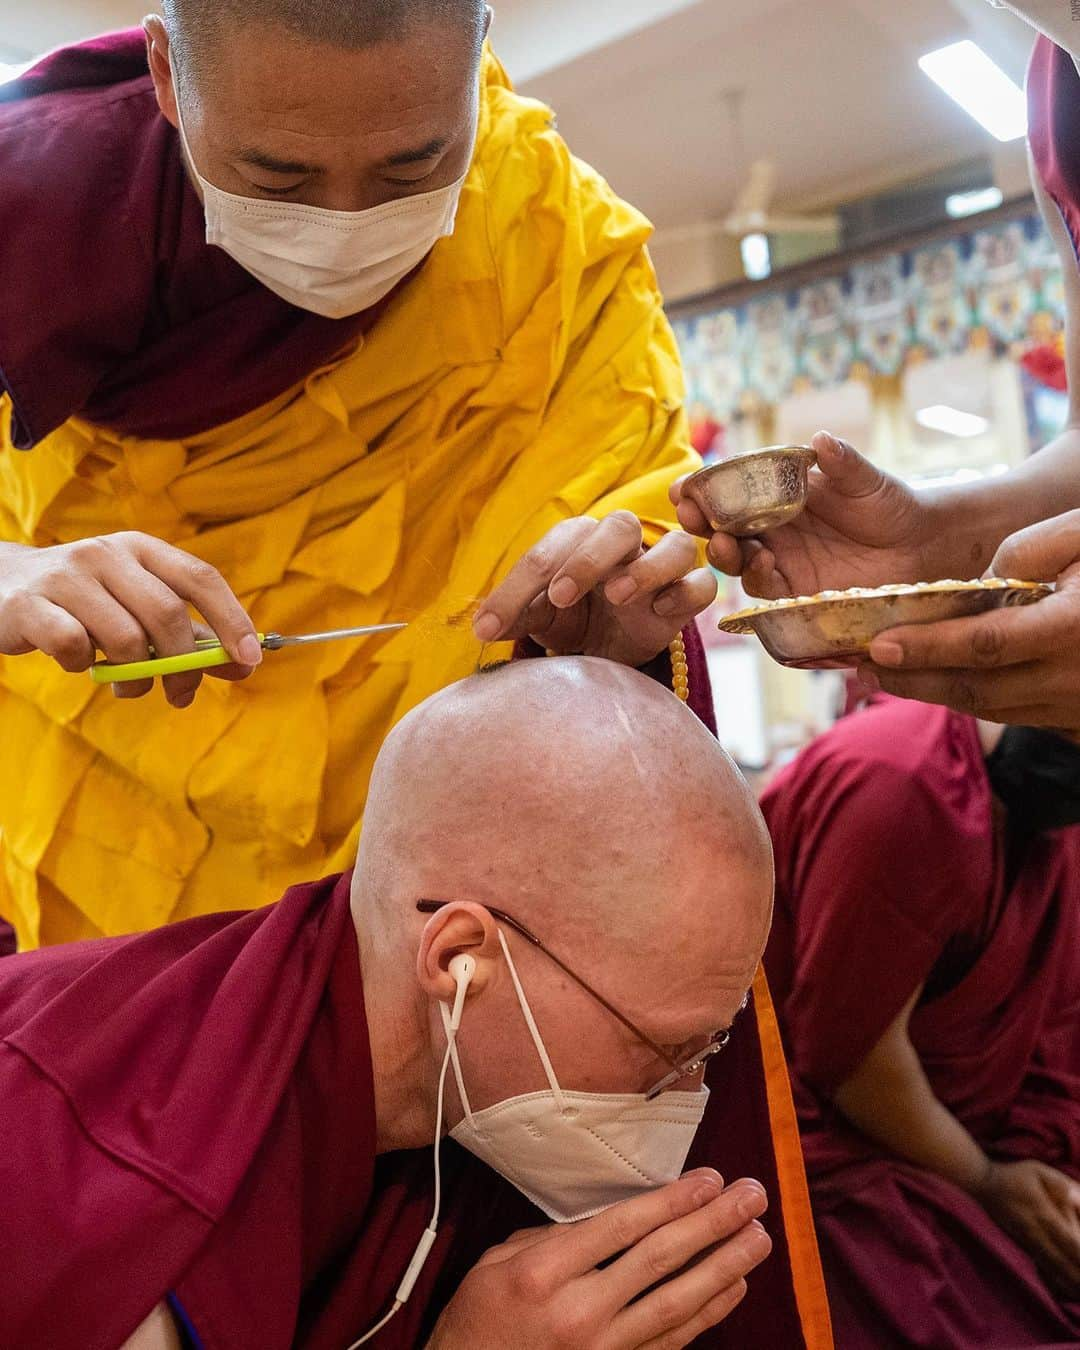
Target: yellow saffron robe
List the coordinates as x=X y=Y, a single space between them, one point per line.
x=527 y=374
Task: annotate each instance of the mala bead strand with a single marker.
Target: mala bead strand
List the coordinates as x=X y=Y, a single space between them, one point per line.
x=680 y=670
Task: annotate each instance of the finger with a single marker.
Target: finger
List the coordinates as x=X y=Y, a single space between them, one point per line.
x=713 y=1313
x=527 y=1237
x=231 y=674
x=535 y=621
x=724 y=551
x=666 y=562
x=48 y=628
x=843 y=470
x=677 y=1301
x=583 y=1246
x=165 y=618
x=1041 y=552
x=202 y=585
x=691 y=517
x=688 y=598
x=1059 y=1221
x=530 y=577
x=979 y=693
x=667 y=1250
x=1059 y=1243
x=761 y=577
x=1005 y=637
x=616 y=541
x=113 y=629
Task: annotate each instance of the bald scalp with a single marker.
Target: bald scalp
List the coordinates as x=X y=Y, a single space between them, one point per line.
x=570 y=789
x=351 y=24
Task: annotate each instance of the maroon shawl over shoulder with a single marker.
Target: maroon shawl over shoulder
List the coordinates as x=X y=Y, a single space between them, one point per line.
x=890 y=875
x=112 y=304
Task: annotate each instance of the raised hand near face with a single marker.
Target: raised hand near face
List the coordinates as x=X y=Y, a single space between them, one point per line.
x=590 y=587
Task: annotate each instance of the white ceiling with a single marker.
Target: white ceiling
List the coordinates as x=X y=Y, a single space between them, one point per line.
x=832 y=90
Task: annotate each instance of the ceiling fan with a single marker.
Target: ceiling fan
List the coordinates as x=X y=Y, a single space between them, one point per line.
x=752 y=219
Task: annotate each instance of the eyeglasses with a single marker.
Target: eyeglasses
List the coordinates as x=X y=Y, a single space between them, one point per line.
x=680 y=1069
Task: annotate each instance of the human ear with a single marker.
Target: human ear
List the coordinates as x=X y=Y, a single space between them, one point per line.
x=157 y=58
x=460 y=928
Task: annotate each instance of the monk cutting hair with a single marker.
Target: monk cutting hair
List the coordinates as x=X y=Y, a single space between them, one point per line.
x=307 y=322
x=221 y=1132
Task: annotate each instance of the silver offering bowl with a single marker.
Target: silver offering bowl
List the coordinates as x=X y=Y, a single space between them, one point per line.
x=835 y=628
x=751 y=493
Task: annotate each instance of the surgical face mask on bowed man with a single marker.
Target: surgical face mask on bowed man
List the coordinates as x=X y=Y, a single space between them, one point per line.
x=574 y=1154
x=332 y=263
x=1059 y=20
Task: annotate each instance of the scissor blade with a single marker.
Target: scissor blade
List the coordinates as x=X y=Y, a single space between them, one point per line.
x=335 y=635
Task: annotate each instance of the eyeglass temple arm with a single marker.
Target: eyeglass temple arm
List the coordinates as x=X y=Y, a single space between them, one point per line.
x=433 y=906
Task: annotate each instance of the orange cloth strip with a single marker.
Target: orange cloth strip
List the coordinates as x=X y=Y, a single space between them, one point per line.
x=806 y=1272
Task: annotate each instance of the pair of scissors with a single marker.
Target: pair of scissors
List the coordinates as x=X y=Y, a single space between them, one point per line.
x=209 y=653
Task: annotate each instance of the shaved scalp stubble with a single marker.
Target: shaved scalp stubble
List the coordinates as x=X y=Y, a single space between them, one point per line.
x=350 y=24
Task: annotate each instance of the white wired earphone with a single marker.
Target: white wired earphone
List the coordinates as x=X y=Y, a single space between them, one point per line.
x=462 y=968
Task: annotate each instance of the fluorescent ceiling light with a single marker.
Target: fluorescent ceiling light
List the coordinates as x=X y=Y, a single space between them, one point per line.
x=962 y=204
x=951 y=421
x=756 y=256
x=980 y=87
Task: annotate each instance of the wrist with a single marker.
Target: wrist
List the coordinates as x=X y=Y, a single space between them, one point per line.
x=961 y=530
x=983 y=1182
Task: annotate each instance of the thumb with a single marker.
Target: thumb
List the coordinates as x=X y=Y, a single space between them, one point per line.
x=1041 y=552
x=848 y=472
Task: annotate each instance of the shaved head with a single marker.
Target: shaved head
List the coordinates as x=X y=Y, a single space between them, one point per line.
x=343 y=105
x=558 y=786
x=351 y=24
x=586 y=802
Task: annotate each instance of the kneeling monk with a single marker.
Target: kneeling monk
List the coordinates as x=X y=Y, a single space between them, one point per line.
x=222 y=1130
x=301 y=295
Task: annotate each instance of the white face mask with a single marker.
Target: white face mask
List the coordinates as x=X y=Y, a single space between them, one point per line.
x=1059 y=20
x=333 y=263
x=575 y=1154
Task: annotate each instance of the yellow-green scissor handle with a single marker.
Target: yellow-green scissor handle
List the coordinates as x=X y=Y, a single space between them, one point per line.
x=208 y=654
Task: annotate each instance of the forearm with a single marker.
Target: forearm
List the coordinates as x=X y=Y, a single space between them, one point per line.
x=890 y=1099
x=918 y=1128
x=970 y=520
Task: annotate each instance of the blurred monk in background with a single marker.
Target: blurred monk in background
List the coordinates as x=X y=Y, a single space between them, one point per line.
x=926 y=963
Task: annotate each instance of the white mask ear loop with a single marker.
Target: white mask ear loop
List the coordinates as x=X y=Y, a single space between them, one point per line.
x=530 y=1021
x=534 y=1032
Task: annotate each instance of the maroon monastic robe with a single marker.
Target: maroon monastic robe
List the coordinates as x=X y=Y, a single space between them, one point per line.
x=190 y=1112
x=1053 y=97
x=137 y=324
x=890 y=874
